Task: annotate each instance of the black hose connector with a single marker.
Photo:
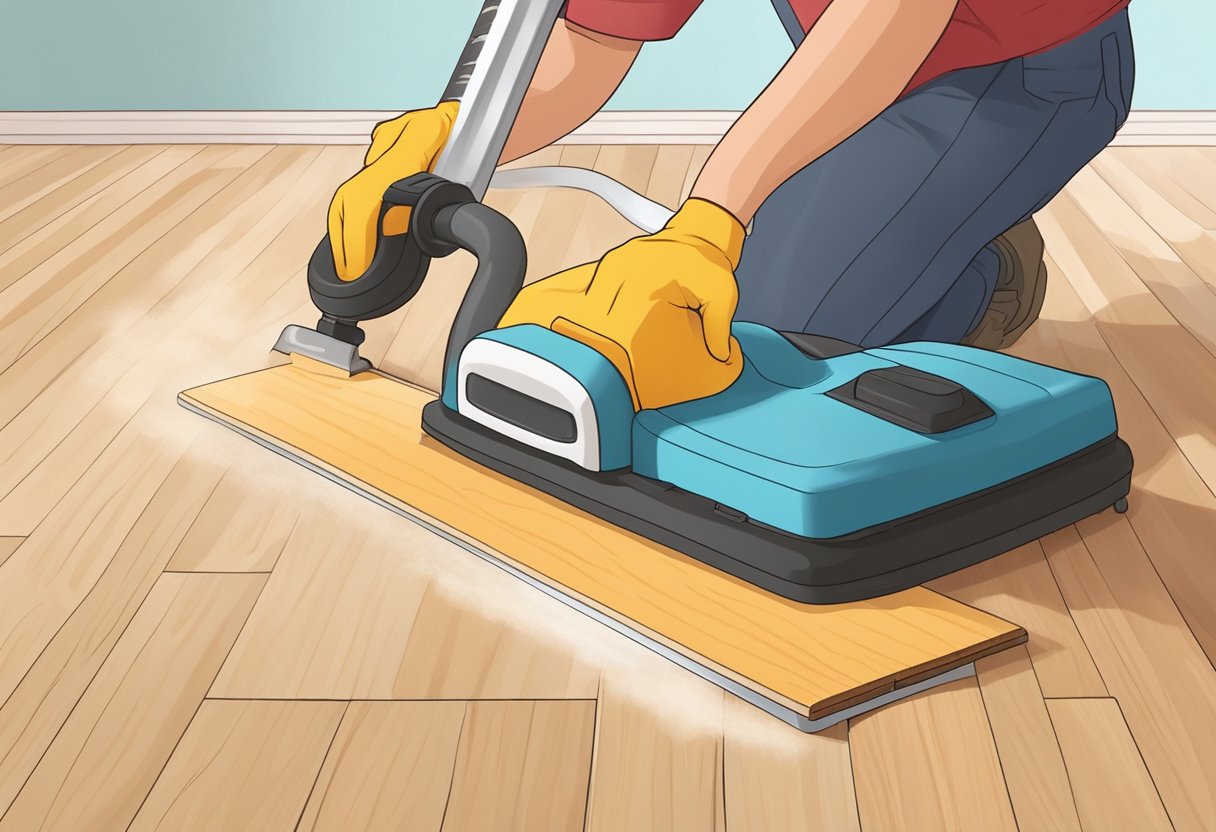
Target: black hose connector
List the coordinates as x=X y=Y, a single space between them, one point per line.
x=400 y=263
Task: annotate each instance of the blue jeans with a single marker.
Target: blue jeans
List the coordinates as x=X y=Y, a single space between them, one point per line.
x=886 y=237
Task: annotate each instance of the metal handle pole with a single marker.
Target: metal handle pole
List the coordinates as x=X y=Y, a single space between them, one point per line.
x=494 y=72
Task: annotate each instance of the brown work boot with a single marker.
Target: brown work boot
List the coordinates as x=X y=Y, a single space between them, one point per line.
x=1021 y=284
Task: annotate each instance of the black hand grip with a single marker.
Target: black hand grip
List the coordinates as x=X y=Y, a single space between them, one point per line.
x=401 y=260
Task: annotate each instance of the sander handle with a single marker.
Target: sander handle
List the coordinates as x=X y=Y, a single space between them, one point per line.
x=489 y=81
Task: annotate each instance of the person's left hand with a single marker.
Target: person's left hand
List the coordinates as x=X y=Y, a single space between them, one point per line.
x=659 y=307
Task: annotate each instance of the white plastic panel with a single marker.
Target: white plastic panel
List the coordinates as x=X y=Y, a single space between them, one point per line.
x=543 y=381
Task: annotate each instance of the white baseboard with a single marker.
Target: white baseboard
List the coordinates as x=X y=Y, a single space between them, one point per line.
x=1144 y=128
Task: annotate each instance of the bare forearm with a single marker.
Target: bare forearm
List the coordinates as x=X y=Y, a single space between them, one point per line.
x=577 y=74
x=854 y=63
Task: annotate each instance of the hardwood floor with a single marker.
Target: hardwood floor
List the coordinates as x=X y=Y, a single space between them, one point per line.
x=197 y=634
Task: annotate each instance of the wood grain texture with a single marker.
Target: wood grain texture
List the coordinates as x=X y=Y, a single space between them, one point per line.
x=22 y=160
x=775 y=777
x=1186 y=224
x=146 y=244
x=657 y=768
x=327 y=573
x=1019 y=586
x=29 y=189
x=8 y=545
x=1154 y=263
x=522 y=766
x=22 y=221
x=1149 y=659
x=929 y=762
x=455 y=651
x=242 y=528
x=242 y=766
x=42 y=583
x=158 y=322
x=109 y=753
x=1162 y=356
x=1172 y=507
x=42 y=701
x=811 y=658
x=403 y=635
x=76 y=229
x=389 y=768
x=666 y=182
x=1025 y=742
x=43 y=297
x=1112 y=787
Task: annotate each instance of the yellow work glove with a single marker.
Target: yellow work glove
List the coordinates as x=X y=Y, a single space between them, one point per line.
x=658 y=307
x=400 y=147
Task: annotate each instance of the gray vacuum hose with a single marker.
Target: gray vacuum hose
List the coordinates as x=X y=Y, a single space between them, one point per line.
x=646 y=214
x=502 y=262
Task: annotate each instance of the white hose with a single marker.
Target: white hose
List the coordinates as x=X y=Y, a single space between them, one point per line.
x=646 y=214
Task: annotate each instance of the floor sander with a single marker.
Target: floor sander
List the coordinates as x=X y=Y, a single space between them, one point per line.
x=826 y=473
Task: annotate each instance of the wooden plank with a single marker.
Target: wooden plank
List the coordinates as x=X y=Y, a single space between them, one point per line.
x=1185 y=176
x=1189 y=237
x=109 y=753
x=48 y=294
x=1173 y=508
x=29 y=189
x=20 y=224
x=1018 y=586
x=671 y=166
x=41 y=702
x=776 y=777
x=8 y=545
x=389 y=768
x=455 y=651
x=1141 y=636
x=1160 y=355
x=404 y=634
x=64 y=402
x=566 y=218
x=21 y=161
x=522 y=766
x=631 y=165
x=658 y=755
x=929 y=762
x=1112 y=787
x=1149 y=659
x=812 y=659
x=1153 y=263
x=242 y=765
x=329 y=572
x=700 y=156
x=242 y=528
x=61 y=561
x=174 y=277
x=1026 y=743
x=74 y=231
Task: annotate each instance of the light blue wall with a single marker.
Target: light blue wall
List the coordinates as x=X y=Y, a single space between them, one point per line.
x=388 y=54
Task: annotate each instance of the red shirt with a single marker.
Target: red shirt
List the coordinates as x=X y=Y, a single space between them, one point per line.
x=981 y=31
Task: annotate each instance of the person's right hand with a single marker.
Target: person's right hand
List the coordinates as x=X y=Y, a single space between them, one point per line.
x=400 y=147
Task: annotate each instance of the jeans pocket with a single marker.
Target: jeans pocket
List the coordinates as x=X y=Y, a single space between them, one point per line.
x=1071 y=72
x=1112 y=78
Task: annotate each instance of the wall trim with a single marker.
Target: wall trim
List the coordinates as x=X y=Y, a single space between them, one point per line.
x=1144 y=128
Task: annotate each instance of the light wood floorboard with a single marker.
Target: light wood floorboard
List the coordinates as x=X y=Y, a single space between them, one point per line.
x=242 y=766
x=1113 y=789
